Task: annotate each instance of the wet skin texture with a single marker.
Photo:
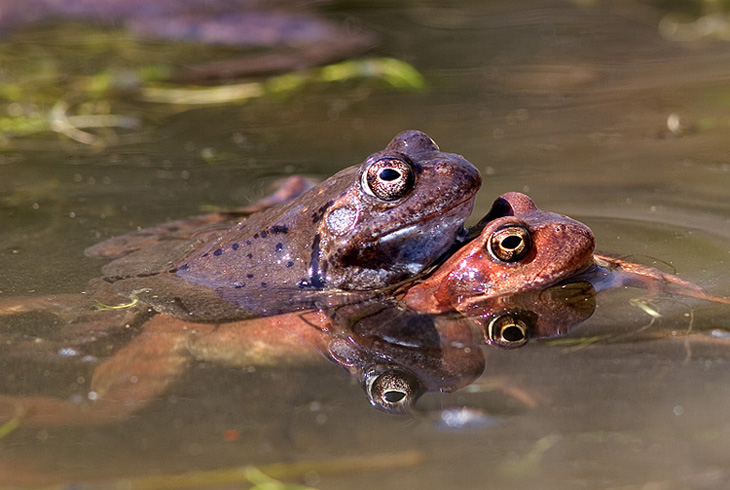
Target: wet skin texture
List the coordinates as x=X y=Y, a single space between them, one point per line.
x=519 y=248
x=366 y=227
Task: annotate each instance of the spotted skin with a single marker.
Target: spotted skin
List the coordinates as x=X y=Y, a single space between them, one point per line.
x=337 y=236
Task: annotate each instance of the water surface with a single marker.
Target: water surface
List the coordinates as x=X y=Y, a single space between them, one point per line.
x=591 y=109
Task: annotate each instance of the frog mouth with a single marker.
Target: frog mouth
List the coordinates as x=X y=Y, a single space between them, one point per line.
x=412 y=227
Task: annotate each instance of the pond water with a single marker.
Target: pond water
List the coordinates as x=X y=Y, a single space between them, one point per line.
x=615 y=113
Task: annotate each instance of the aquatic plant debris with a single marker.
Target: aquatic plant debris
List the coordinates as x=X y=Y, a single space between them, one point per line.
x=644 y=306
x=203 y=95
x=58 y=120
x=262 y=481
x=133 y=301
x=12 y=424
x=263 y=477
x=86 y=104
x=578 y=342
x=398 y=74
x=71 y=78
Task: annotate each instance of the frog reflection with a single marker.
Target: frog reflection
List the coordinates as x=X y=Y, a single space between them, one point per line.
x=411 y=353
x=395 y=353
x=551 y=312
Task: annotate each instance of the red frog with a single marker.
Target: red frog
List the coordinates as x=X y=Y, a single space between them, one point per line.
x=521 y=248
x=518 y=248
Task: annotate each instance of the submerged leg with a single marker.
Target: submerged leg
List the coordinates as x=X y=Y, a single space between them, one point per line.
x=133 y=377
x=654 y=280
x=141 y=371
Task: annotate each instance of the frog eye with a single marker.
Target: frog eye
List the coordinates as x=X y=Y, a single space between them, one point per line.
x=507 y=331
x=388 y=178
x=393 y=390
x=510 y=243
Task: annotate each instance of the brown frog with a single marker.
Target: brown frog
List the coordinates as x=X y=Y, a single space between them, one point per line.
x=366 y=227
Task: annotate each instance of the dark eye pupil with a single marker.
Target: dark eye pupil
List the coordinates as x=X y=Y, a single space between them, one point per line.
x=508 y=331
x=513 y=333
x=394 y=396
x=389 y=174
x=388 y=178
x=511 y=242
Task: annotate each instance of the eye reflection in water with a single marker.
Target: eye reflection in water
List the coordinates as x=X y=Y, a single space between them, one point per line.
x=449 y=355
x=395 y=353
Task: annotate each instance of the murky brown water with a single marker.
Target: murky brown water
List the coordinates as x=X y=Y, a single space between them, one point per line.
x=586 y=108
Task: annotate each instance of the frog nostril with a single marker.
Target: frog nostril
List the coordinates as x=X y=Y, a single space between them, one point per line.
x=443 y=168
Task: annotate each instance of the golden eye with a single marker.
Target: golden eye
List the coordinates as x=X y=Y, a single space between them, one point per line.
x=388 y=178
x=508 y=331
x=510 y=243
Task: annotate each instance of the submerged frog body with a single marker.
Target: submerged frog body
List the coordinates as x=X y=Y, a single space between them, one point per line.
x=366 y=227
x=396 y=354
x=425 y=338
